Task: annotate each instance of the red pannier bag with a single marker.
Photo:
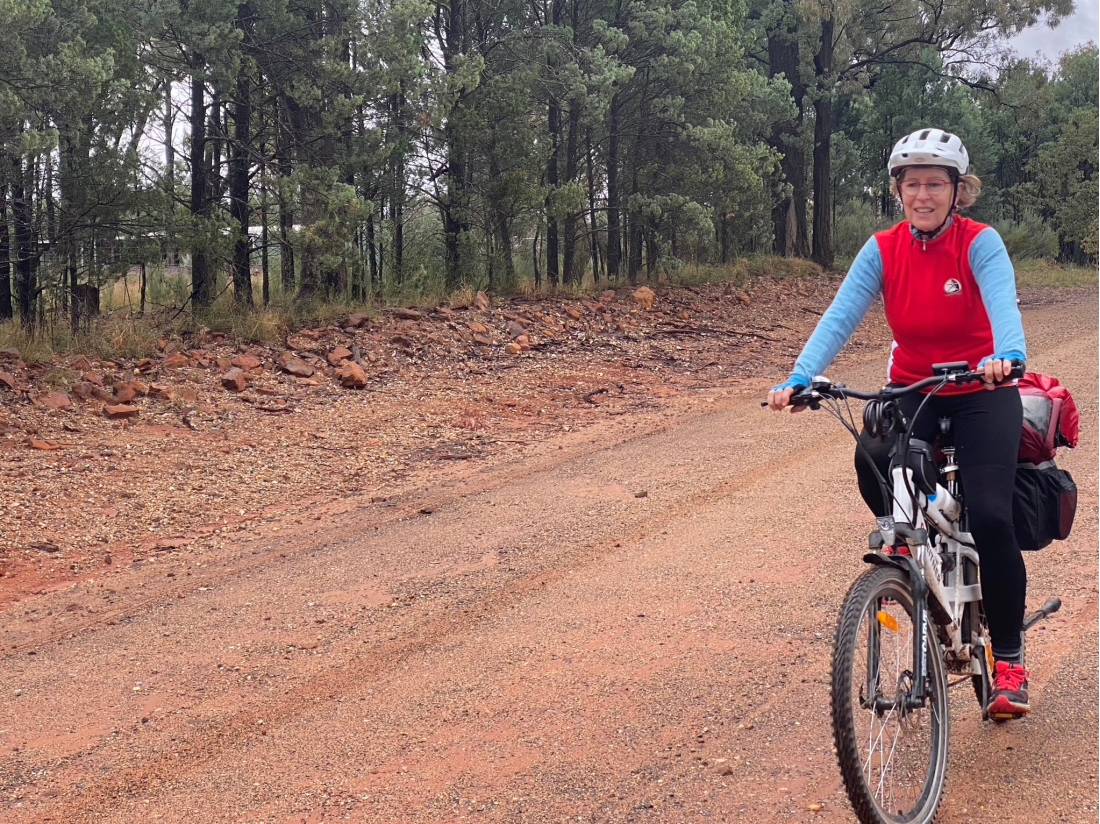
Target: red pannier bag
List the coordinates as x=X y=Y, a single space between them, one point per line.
x=1045 y=500
x=1051 y=418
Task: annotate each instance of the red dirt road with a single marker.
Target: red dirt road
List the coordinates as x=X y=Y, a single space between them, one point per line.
x=535 y=640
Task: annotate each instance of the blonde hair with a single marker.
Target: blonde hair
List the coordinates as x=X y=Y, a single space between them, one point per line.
x=970 y=188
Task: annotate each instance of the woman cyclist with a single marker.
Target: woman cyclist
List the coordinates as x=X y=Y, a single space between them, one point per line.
x=949 y=291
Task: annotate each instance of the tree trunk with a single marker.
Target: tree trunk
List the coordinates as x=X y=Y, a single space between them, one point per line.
x=397 y=189
x=168 y=124
x=554 y=123
x=569 y=225
x=823 y=134
x=594 y=234
x=784 y=58
x=144 y=280
x=535 y=257
x=265 y=256
x=634 y=259
x=372 y=258
x=454 y=212
x=286 y=212
x=238 y=178
x=6 y=309
x=614 y=243
x=22 y=211
x=202 y=286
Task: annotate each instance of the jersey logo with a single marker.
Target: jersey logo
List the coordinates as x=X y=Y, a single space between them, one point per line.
x=952 y=287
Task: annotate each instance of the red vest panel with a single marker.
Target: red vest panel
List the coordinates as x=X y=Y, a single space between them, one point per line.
x=933 y=303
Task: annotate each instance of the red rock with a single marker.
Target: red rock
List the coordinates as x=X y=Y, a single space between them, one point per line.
x=222 y=363
x=574 y=313
x=234 y=380
x=484 y=340
x=121 y=410
x=160 y=390
x=607 y=296
x=294 y=365
x=80 y=363
x=524 y=342
x=482 y=302
x=478 y=328
x=141 y=387
x=358 y=320
x=175 y=359
x=145 y=365
x=515 y=329
x=743 y=299
x=83 y=390
x=55 y=401
x=408 y=314
x=185 y=394
x=93 y=378
x=513 y=348
x=338 y=355
x=352 y=375
x=38 y=443
x=444 y=312
x=101 y=394
x=403 y=342
x=124 y=393
x=645 y=298
x=246 y=362
x=7 y=379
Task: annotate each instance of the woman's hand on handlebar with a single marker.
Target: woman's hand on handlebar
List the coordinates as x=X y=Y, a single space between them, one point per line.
x=779 y=398
x=999 y=370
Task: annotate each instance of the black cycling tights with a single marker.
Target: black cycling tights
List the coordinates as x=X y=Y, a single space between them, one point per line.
x=986 y=427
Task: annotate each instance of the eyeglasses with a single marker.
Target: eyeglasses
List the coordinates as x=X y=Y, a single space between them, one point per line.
x=933 y=187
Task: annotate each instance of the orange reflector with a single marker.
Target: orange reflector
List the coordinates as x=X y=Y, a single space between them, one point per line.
x=889 y=621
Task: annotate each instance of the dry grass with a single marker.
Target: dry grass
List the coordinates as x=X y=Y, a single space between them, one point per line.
x=122 y=333
x=1045 y=273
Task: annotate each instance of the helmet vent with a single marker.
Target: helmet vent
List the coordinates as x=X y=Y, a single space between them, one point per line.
x=924 y=135
x=946 y=138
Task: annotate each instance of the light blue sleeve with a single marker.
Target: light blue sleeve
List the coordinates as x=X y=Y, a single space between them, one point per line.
x=861 y=286
x=996 y=279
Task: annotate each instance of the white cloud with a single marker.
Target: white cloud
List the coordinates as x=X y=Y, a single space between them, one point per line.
x=1075 y=30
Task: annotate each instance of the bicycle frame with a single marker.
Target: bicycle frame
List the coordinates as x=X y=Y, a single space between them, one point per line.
x=935 y=566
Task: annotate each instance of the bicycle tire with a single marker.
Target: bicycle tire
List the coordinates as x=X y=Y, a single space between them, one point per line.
x=870 y=803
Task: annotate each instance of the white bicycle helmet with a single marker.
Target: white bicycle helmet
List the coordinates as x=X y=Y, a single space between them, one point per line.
x=929 y=147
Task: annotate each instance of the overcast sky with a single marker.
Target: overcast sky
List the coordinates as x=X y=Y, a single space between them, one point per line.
x=1080 y=27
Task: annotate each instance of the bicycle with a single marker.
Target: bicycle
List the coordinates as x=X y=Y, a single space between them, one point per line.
x=891 y=663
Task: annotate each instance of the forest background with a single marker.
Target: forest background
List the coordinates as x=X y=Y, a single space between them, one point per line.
x=189 y=160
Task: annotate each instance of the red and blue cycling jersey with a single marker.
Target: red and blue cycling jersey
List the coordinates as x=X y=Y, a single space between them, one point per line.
x=948 y=299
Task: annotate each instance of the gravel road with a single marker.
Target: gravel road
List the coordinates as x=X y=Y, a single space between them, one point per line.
x=632 y=624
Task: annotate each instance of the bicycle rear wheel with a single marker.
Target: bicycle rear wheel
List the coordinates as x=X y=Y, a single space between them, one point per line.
x=893 y=759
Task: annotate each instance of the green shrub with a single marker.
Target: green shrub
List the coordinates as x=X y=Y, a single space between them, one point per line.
x=1030 y=239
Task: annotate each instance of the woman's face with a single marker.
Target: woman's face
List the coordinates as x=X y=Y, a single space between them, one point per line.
x=926 y=196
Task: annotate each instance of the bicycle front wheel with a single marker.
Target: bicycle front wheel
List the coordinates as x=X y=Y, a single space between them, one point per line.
x=893 y=757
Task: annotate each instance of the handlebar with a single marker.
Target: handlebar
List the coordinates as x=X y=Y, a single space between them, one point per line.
x=946 y=373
